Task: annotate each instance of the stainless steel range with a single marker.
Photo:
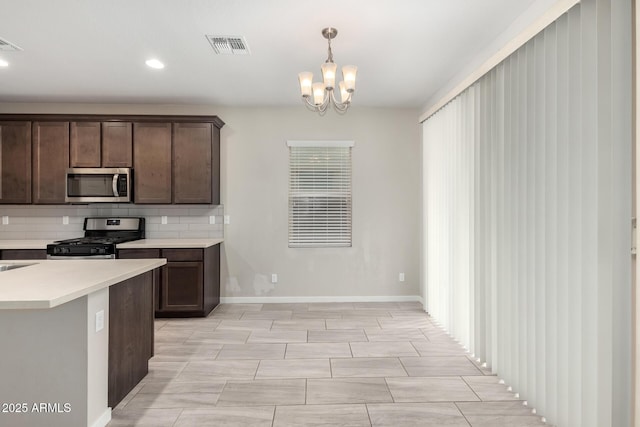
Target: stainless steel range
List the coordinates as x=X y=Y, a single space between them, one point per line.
x=101 y=235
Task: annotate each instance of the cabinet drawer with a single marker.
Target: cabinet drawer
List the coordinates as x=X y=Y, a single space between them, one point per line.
x=138 y=253
x=182 y=254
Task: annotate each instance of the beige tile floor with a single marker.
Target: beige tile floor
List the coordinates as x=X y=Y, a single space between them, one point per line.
x=329 y=364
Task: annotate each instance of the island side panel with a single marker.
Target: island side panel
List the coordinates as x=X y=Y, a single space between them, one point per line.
x=130 y=334
x=211 y=278
x=43 y=366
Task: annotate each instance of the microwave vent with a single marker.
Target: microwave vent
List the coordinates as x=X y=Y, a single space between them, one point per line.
x=228 y=45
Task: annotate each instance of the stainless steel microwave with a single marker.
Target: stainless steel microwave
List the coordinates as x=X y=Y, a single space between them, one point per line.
x=99 y=185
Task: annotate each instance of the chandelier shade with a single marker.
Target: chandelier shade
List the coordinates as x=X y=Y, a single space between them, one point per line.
x=320 y=95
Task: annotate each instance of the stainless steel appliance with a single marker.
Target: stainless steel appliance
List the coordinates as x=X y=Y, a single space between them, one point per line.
x=99 y=185
x=101 y=235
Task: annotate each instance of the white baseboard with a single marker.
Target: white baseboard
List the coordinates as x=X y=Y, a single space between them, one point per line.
x=103 y=420
x=267 y=300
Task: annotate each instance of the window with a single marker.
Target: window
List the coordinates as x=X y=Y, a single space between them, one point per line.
x=319 y=193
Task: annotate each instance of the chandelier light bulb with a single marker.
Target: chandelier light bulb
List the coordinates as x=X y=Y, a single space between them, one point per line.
x=344 y=95
x=349 y=76
x=318 y=93
x=306 y=80
x=329 y=75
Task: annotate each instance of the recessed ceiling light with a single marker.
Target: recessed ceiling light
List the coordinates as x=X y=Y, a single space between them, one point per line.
x=154 y=63
x=3 y=63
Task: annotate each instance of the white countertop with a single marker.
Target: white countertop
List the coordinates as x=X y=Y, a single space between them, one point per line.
x=24 y=244
x=49 y=283
x=137 y=244
x=170 y=243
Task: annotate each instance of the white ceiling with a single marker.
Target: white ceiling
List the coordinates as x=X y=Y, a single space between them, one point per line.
x=94 y=51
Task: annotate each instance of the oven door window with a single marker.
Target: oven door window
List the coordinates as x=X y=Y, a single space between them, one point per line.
x=94 y=185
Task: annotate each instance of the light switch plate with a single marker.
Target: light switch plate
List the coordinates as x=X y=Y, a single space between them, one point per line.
x=163 y=219
x=401 y=277
x=65 y=220
x=99 y=320
x=212 y=219
x=5 y=220
x=227 y=219
x=274 y=278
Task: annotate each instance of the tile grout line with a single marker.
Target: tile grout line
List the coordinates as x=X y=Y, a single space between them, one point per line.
x=471 y=388
x=462 y=413
x=366 y=406
x=330 y=368
x=178 y=417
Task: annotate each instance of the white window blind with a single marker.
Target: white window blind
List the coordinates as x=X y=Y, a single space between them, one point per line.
x=319 y=193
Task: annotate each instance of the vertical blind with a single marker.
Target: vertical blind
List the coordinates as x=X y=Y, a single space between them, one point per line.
x=319 y=194
x=527 y=209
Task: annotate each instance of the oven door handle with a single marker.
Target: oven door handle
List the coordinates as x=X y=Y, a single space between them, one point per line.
x=114 y=185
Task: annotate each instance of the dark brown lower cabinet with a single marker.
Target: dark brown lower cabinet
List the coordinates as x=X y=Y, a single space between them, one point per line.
x=182 y=286
x=130 y=334
x=189 y=284
x=12 y=254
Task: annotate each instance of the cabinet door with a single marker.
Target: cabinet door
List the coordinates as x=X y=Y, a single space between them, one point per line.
x=50 y=161
x=15 y=162
x=116 y=145
x=152 y=162
x=84 y=145
x=182 y=286
x=192 y=163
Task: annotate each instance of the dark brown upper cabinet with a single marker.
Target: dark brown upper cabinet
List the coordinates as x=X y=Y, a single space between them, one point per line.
x=192 y=163
x=117 y=145
x=95 y=144
x=85 y=145
x=15 y=166
x=152 y=162
x=176 y=159
x=50 y=160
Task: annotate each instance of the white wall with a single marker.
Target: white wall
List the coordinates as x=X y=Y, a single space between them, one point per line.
x=386 y=191
x=386 y=199
x=538 y=10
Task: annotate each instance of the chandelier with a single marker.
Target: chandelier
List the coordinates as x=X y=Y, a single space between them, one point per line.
x=318 y=96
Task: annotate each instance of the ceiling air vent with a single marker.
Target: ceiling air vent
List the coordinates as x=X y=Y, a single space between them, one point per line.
x=228 y=45
x=7 y=45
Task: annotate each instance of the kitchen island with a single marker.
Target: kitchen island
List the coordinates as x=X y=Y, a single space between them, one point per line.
x=75 y=335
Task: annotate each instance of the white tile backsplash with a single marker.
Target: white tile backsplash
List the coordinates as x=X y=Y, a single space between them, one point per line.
x=45 y=222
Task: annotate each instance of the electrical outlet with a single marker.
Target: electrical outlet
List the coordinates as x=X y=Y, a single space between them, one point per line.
x=227 y=219
x=163 y=219
x=65 y=220
x=401 y=277
x=99 y=320
x=5 y=220
x=274 y=278
x=212 y=219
